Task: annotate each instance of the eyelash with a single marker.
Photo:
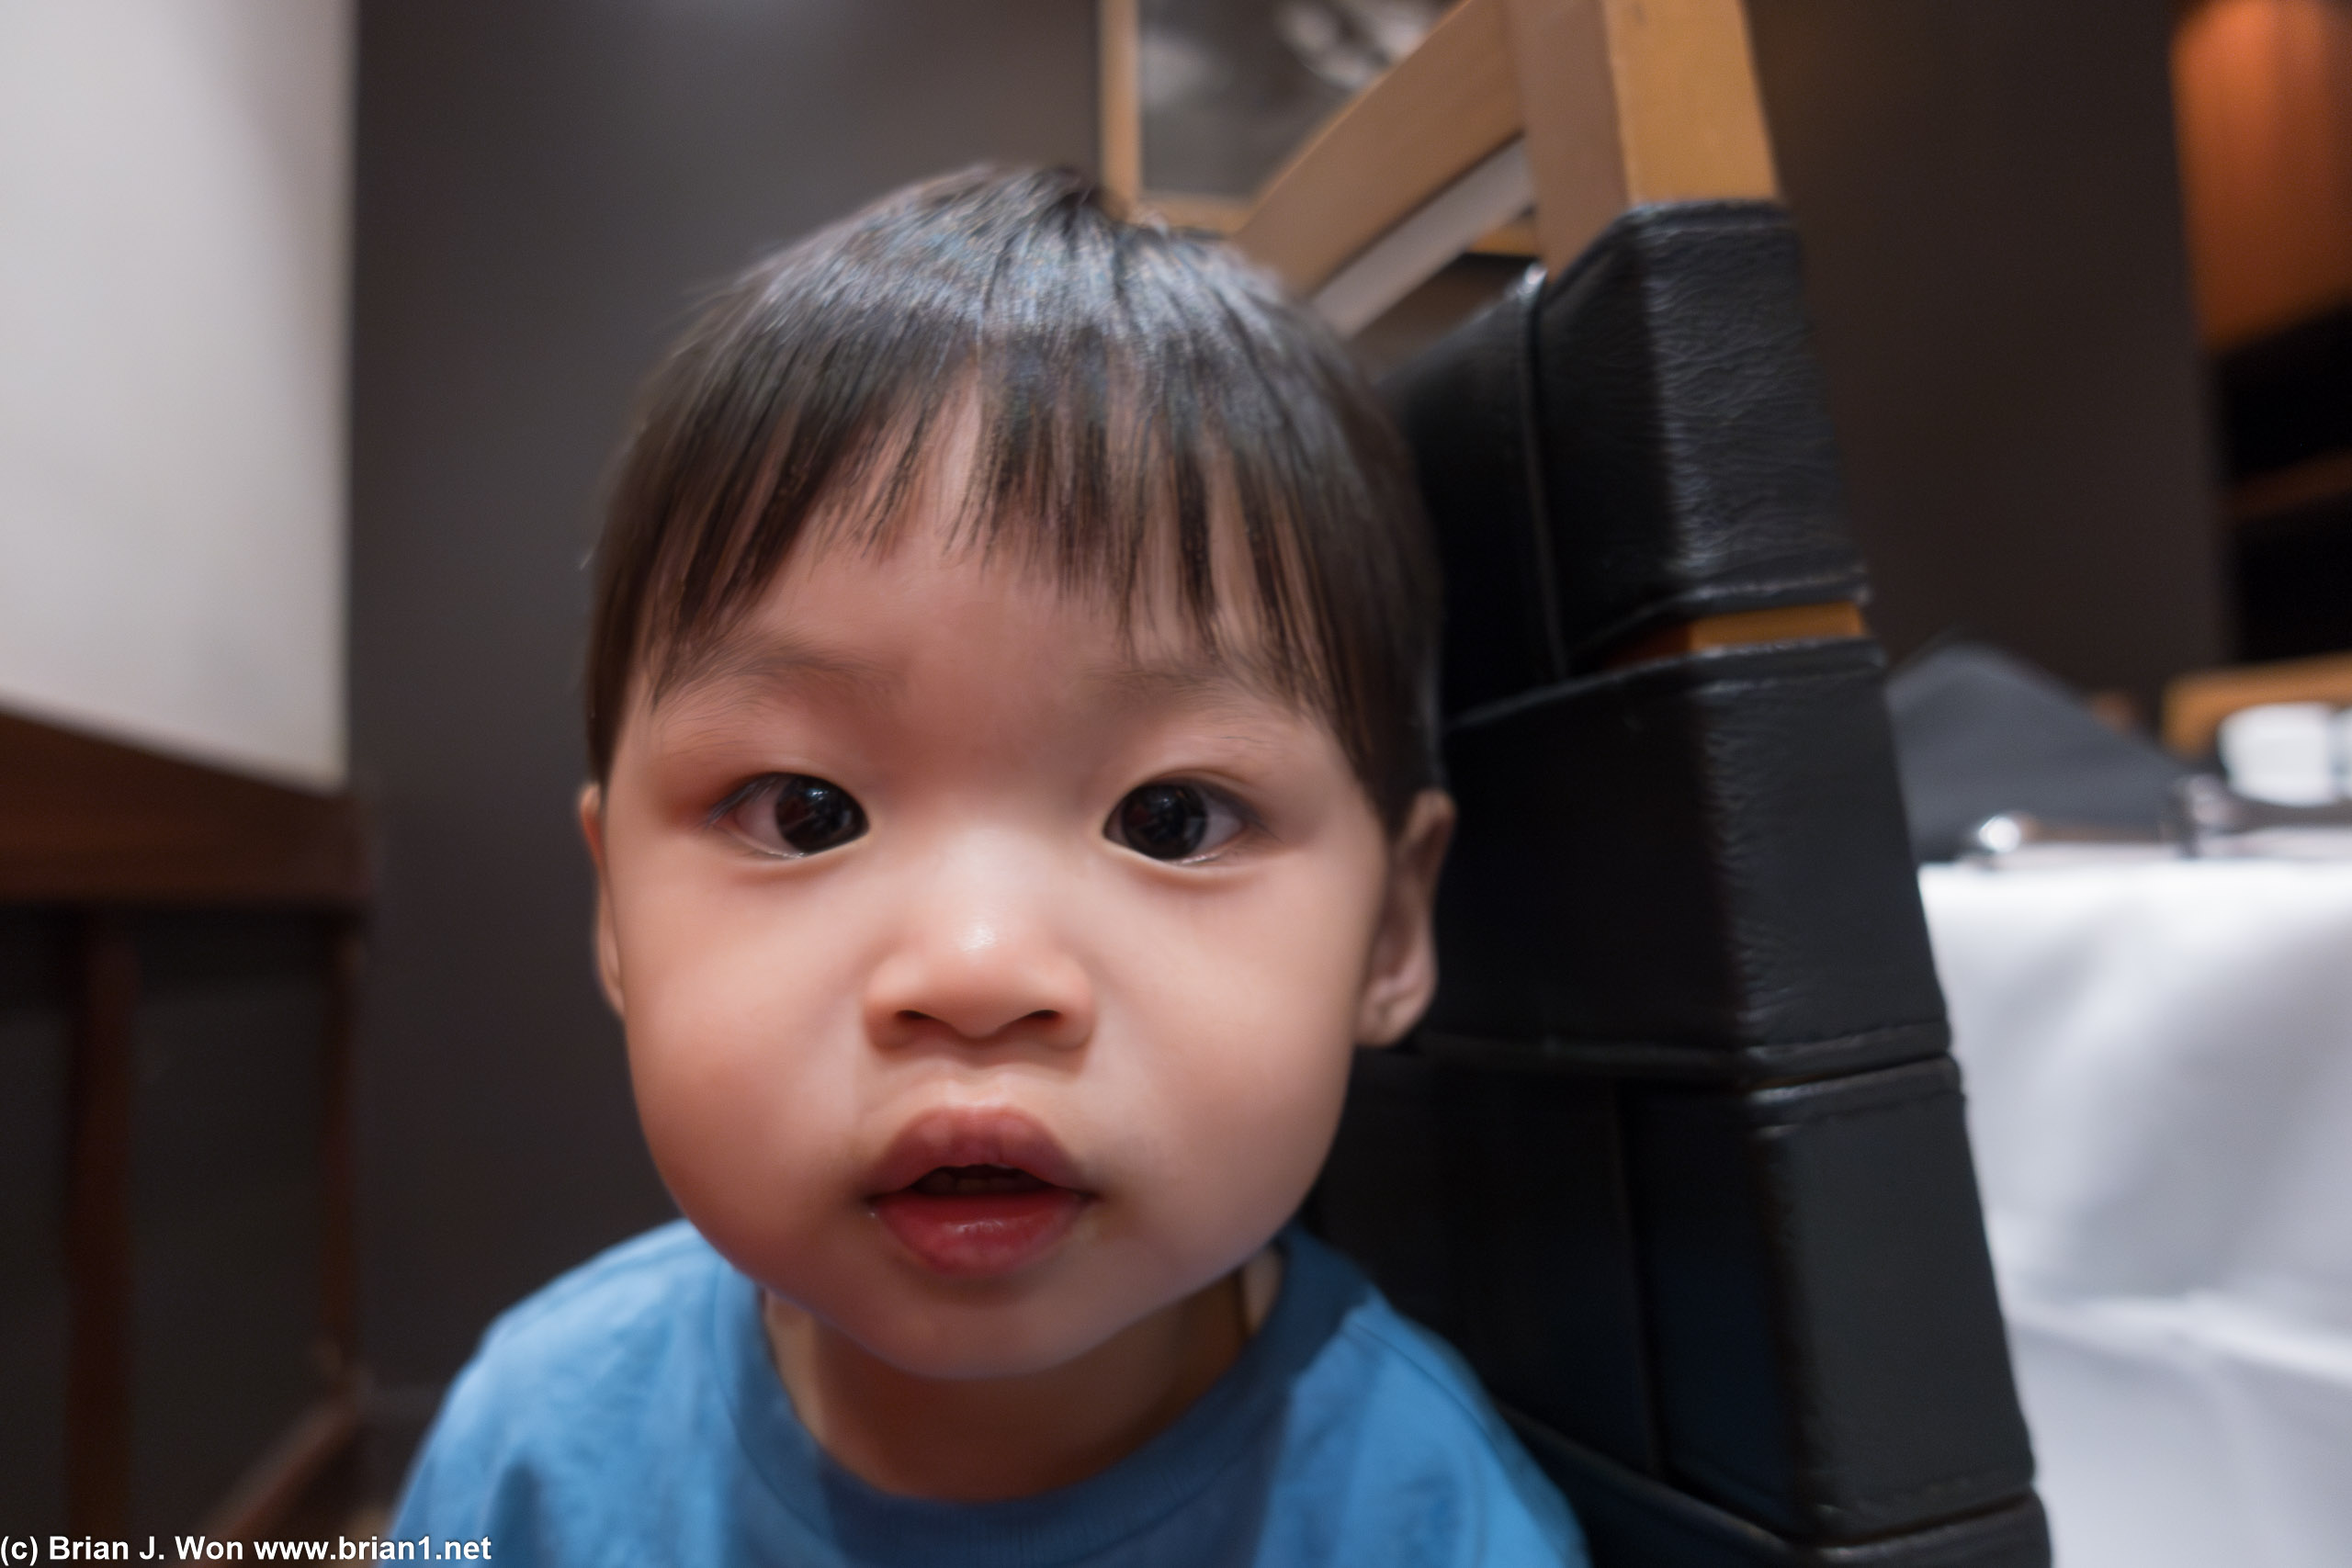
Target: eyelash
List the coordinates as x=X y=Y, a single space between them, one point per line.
x=1246 y=821
x=838 y=815
x=833 y=813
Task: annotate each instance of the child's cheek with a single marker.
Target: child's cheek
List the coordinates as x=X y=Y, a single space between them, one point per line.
x=742 y=1056
x=1229 y=1049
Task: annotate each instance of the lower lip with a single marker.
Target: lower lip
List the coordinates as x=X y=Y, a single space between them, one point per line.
x=981 y=1236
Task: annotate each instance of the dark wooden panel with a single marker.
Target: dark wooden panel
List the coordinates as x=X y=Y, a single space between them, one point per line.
x=97 y=1232
x=90 y=821
x=39 y=989
x=229 y=1197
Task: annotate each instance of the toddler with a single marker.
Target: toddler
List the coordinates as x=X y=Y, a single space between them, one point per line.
x=1010 y=710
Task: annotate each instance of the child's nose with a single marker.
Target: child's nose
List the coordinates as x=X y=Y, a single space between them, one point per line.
x=984 y=970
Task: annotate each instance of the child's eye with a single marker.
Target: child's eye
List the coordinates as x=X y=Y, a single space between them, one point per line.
x=793 y=814
x=1174 y=821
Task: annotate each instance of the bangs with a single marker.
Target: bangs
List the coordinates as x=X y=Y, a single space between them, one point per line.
x=1127 y=393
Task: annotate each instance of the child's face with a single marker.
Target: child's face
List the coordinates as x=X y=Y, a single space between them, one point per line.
x=1095 y=910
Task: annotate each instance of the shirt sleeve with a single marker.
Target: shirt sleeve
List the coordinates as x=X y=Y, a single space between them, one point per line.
x=468 y=1483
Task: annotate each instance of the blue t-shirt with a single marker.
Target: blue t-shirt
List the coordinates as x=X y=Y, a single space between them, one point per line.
x=628 y=1414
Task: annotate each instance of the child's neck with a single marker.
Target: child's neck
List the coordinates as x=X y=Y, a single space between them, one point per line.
x=981 y=1440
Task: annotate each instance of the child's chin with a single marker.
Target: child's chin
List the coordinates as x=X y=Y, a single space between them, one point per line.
x=965 y=1344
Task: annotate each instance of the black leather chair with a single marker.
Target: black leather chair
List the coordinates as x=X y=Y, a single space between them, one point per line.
x=1678 y=1160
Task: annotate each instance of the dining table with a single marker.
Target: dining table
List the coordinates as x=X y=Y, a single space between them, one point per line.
x=2157 y=1053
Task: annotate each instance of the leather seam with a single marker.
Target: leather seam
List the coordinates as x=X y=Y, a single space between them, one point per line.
x=1531 y=446
x=1500 y=708
x=1657 y=1061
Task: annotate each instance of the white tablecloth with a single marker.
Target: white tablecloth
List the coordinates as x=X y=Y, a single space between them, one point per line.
x=2159 y=1066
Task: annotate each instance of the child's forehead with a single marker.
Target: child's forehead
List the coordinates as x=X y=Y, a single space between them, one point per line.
x=732 y=670
x=870 y=620
x=1134 y=409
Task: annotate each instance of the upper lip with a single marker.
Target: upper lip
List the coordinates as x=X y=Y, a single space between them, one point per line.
x=961 y=1135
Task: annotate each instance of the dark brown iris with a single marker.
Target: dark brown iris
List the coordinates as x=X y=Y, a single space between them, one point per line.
x=812 y=815
x=1166 y=821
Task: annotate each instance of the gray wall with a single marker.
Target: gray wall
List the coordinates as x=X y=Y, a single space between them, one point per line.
x=1991 y=214
x=1988 y=194
x=542 y=185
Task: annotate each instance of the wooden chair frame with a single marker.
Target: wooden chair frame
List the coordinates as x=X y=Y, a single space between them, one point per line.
x=1119 y=26
x=1580 y=108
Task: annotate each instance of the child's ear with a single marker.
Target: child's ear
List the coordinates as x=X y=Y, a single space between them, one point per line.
x=1403 y=974
x=608 y=951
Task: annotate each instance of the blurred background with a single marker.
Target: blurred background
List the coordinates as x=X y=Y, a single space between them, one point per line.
x=320 y=319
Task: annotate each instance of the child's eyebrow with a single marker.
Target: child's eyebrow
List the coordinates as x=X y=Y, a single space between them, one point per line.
x=767 y=664
x=1198 y=681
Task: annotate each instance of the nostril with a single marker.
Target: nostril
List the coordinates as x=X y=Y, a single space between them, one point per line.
x=1043 y=1018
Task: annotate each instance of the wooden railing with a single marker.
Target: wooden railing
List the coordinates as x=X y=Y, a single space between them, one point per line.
x=102 y=830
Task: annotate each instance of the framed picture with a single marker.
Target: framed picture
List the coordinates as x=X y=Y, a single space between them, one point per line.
x=1204 y=101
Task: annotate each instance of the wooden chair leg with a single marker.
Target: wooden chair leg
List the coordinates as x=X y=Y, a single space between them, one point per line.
x=97 y=1227
x=338 y=1180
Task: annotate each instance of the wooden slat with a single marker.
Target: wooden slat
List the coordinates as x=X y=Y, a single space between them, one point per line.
x=1747 y=628
x=90 y=821
x=1569 y=111
x=1223 y=215
x=1426 y=242
x=1438 y=113
x=269 y=1490
x=98 y=1229
x=1622 y=102
x=338 y=1153
x=2196 y=704
x=1627 y=102
x=2312 y=483
x=1119 y=96
x=1210 y=214
x=1688 y=104
x=1119 y=149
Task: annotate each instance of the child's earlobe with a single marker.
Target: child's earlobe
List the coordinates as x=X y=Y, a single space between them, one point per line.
x=1402 y=975
x=592 y=822
x=608 y=952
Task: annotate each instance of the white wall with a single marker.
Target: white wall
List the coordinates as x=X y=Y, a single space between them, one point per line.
x=174 y=191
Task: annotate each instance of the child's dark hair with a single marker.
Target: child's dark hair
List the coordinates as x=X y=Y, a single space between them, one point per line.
x=1130 y=384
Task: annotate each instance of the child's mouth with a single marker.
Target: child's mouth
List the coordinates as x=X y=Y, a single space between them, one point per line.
x=976 y=1181
x=976 y=1221
x=974 y=1191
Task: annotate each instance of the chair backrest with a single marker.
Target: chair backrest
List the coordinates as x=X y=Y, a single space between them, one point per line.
x=1678 y=1160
